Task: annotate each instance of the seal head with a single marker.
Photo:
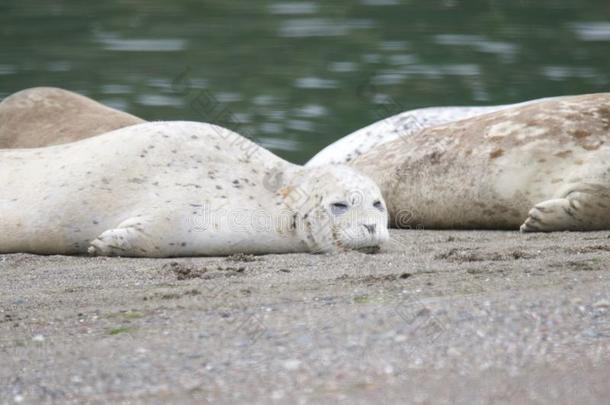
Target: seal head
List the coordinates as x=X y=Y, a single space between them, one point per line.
x=337 y=208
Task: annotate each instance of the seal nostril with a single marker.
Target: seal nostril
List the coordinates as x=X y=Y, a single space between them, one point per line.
x=370 y=228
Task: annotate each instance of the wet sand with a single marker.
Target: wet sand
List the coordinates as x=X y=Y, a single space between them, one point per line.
x=436 y=317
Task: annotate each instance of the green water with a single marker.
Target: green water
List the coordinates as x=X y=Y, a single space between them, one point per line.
x=295 y=76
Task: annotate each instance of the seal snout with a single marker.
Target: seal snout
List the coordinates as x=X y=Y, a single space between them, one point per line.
x=370 y=228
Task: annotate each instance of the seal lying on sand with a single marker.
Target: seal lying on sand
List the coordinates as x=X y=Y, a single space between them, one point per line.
x=164 y=189
x=403 y=124
x=544 y=166
x=43 y=116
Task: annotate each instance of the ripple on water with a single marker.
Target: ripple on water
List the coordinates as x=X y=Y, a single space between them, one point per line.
x=402 y=59
x=372 y=58
x=297 y=7
x=479 y=43
x=116 y=103
x=276 y=115
x=160 y=83
x=320 y=27
x=59 y=66
x=241 y=118
x=394 y=76
x=315 y=83
x=592 y=31
x=116 y=89
x=394 y=45
x=342 y=67
x=380 y=2
x=389 y=78
x=311 y=111
x=264 y=100
x=271 y=128
x=8 y=69
x=566 y=72
x=228 y=97
x=112 y=42
x=157 y=100
x=300 y=125
x=279 y=144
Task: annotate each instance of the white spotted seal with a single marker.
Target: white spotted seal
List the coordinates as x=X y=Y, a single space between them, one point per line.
x=164 y=189
x=540 y=167
x=43 y=116
x=406 y=123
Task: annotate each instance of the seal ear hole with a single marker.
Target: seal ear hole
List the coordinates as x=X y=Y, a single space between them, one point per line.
x=339 y=208
x=377 y=204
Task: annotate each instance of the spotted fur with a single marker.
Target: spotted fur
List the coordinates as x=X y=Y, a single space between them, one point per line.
x=177 y=189
x=538 y=167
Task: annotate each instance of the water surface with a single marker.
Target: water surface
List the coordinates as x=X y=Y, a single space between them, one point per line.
x=296 y=75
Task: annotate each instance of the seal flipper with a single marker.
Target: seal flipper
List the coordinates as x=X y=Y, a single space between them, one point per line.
x=130 y=239
x=586 y=209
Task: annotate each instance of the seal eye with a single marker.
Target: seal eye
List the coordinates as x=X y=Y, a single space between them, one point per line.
x=338 y=208
x=377 y=204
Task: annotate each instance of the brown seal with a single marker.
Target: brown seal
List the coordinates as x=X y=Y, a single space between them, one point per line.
x=43 y=116
x=540 y=167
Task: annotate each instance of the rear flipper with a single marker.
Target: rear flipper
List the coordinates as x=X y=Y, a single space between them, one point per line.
x=135 y=237
x=583 y=210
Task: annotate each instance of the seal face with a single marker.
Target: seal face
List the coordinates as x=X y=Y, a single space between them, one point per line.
x=539 y=167
x=401 y=125
x=165 y=189
x=337 y=208
x=43 y=116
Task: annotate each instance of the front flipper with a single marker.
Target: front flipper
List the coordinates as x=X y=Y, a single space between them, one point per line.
x=578 y=211
x=134 y=237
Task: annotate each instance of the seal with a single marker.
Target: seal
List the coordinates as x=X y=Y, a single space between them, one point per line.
x=164 y=189
x=539 y=167
x=403 y=124
x=43 y=116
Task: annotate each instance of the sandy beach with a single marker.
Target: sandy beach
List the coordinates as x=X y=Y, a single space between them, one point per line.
x=435 y=317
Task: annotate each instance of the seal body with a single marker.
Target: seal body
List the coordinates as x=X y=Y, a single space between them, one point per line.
x=540 y=167
x=178 y=189
x=404 y=124
x=43 y=116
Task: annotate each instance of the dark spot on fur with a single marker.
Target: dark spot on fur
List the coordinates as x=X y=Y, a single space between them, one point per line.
x=563 y=154
x=581 y=134
x=594 y=146
x=604 y=112
x=435 y=157
x=496 y=153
